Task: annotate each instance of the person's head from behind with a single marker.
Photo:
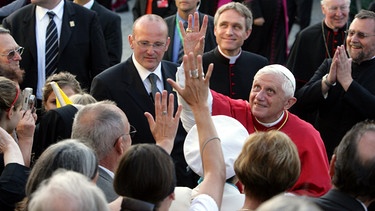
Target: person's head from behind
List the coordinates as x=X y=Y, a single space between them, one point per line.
x=10 y=57
x=360 y=42
x=284 y=202
x=67 y=190
x=68 y=154
x=105 y=127
x=10 y=104
x=272 y=93
x=353 y=163
x=82 y=99
x=149 y=40
x=146 y=172
x=68 y=84
x=336 y=13
x=268 y=164
x=232 y=26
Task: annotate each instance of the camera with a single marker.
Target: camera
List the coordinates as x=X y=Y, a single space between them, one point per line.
x=29 y=99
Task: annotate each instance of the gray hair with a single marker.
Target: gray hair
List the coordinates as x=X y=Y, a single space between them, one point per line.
x=284 y=202
x=323 y=2
x=288 y=83
x=238 y=7
x=72 y=190
x=68 y=154
x=99 y=125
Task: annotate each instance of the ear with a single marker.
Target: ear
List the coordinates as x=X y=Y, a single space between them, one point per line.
x=332 y=166
x=10 y=113
x=130 y=40
x=248 y=32
x=289 y=103
x=167 y=44
x=119 y=146
x=172 y=196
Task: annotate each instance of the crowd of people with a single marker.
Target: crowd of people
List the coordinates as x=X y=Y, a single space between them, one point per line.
x=211 y=111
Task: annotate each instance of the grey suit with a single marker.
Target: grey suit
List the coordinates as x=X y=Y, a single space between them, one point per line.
x=105 y=183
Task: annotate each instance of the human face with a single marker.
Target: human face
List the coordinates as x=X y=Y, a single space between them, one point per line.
x=230 y=31
x=8 y=44
x=336 y=13
x=187 y=6
x=51 y=100
x=267 y=98
x=361 y=48
x=149 y=42
x=48 y=4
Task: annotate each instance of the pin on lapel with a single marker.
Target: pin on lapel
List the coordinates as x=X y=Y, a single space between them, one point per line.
x=71 y=23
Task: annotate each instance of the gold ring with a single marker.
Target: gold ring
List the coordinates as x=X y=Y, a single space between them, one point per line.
x=189 y=30
x=164 y=113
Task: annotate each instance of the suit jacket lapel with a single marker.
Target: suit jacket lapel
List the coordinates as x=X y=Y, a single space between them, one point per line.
x=29 y=26
x=66 y=26
x=135 y=88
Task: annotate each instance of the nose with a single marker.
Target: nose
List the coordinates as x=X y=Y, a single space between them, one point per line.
x=17 y=56
x=260 y=95
x=229 y=30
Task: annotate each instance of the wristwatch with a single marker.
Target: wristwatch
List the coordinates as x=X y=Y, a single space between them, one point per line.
x=325 y=80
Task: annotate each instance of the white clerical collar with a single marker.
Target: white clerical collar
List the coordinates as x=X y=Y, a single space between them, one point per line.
x=232 y=59
x=272 y=123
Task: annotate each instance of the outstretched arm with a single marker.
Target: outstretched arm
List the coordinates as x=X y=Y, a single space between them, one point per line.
x=195 y=94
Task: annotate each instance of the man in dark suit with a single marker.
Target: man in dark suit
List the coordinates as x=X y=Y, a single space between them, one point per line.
x=184 y=9
x=163 y=8
x=81 y=45
x=352 y=170
x=130 y=86
x=111 y=26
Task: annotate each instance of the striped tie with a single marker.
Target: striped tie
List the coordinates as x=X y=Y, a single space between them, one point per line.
x=181 y=50
x=52 y=45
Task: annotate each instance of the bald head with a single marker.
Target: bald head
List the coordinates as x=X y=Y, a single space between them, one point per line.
x=150 y=20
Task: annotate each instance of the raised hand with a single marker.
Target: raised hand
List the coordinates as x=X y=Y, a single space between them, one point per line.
x=193 y=37
x=164 y=126
x=196 y=89
x=344 y=68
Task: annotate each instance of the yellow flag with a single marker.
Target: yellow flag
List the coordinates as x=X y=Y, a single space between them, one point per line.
x=61 y=98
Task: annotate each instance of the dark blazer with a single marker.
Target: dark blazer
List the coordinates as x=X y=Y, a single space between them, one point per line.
x=111 y=26
x=210 y=39
x=335 y=200
x=139 y=8
x=233 y=80
x=105 y=183
x=123 y=85
x=82 y=50
x=55 y=125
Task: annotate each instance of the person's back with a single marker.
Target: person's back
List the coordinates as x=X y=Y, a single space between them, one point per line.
x=353 y=171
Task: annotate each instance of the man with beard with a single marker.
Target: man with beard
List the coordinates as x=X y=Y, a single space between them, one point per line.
x=342 y=90
x=10 y=57
x=319 y=41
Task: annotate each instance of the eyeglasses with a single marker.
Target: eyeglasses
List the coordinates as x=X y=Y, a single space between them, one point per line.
x=147 y=45
x=360 y=35
x=344 y=8
x=132 y=132
x=11 y=54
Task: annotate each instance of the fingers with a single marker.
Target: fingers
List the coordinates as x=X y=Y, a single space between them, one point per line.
x=170 y=105
x=204 y=25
